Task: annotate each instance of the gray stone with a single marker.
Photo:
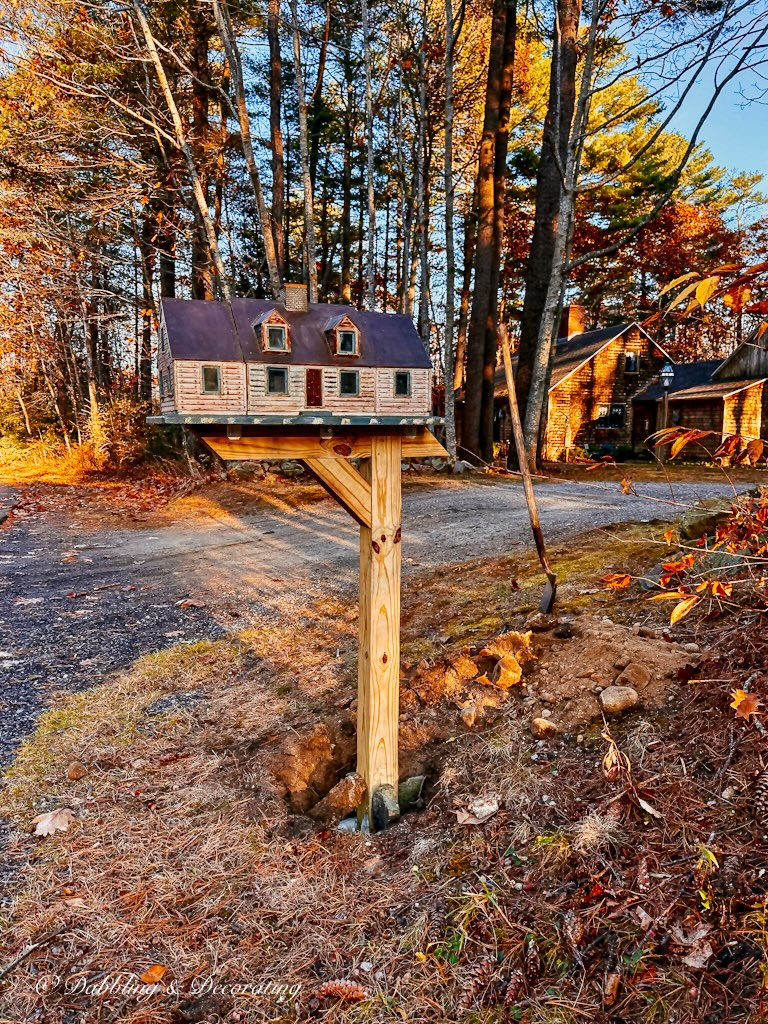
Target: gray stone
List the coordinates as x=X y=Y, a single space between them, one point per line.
x=385 y=809
x=615 y=699
x=291 y=468
x=409 y=792
x=691 y=648
x=461 y=467
x=564 y=631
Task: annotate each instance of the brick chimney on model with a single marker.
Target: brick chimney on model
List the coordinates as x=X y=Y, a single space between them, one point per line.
x=296 y=298
x=573 y=321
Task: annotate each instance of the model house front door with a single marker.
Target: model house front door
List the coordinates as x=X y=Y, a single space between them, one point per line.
x=314 y=388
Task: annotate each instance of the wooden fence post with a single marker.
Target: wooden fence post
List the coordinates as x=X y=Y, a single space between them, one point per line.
x=379 y=621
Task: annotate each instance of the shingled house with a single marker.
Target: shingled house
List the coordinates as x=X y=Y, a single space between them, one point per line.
x=726 y=396
x=304 y=362
x=595 y=376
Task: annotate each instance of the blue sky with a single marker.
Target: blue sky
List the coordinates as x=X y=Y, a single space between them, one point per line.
x=735 y=132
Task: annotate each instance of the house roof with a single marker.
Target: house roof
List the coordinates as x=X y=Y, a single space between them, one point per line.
x=694 y=382
x=570 y=354
x=687 y=376
x=716 y=389
x=224 y=331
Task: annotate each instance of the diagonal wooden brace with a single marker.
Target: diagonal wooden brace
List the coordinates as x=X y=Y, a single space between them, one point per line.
x=346 y=485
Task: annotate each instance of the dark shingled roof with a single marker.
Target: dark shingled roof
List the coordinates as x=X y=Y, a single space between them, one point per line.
x=569 y=355
x=688 y=376
x=217 y=330
x=200 y=330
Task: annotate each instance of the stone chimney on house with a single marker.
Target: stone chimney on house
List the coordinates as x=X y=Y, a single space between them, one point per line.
x=295 y=298
x=573 y=321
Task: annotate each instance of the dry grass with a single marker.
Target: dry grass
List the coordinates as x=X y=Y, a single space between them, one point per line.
x=180 y=855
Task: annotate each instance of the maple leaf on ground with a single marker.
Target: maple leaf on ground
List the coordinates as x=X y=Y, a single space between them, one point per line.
x=746 y=704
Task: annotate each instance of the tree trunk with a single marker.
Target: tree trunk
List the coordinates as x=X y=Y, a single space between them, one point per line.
x=149 y=226
x=486 y=248
x=501 y=146
x=197 y=187
x=202 y=278
x=309 y=216
x=547 y=231
x=370 y=270
x=276 y=132
x=451 y=37
x=422 y=195
x=236 y=68
x=470 y=237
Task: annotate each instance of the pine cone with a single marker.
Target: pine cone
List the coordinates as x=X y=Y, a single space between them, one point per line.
x=344 y=991
x=514 y=988
x=761 y=800
x=476 y=980
x=532 y=963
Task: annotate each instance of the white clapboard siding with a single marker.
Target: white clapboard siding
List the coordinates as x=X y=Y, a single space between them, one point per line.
x=188 y=387
x=261 y=404
x=417 y=403
x=364 y=402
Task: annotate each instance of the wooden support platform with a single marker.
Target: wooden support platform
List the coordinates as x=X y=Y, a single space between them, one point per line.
x=372 y=496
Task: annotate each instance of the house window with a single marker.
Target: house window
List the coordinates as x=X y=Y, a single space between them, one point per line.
x=277 y=339
x=402 y=383
x=632 y=364
x=277 y=380
x=211 y=380
x=611 y=416
x=161 y=378
x=347 y=343
x=349 y=383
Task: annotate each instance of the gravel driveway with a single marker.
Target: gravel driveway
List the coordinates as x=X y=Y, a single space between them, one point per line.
x=77 y=603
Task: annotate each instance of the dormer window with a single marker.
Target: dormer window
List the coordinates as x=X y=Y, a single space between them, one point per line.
x=343 y=337
x=277 y=338
x=274 y=332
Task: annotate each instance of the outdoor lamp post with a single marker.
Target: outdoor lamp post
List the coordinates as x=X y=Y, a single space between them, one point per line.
x=667 y=376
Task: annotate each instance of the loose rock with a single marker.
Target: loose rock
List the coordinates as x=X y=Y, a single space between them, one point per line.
x=540 y=622
x=615 y=699
x=543 y=729
x=635 y=676
x=76 y=771
x=345 y=797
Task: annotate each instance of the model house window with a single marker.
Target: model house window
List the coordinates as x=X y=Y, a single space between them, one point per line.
x=632 y=364
x=348 y=343
x=161 y=379
x=211 y=380
x=277 y=340
x=349 y=382
x=402 y=383
x=611 y=416
x=277 y=381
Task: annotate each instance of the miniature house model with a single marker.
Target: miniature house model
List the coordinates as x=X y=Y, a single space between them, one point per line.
x=258 y=361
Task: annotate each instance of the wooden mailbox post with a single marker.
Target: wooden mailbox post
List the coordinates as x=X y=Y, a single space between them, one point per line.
x=372 y=496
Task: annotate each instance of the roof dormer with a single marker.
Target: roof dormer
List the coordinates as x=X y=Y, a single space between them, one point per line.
x=273 y=330
x=343 y=336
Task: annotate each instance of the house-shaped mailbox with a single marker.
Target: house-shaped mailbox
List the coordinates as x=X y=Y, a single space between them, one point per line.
x=260 y=361
x=349 y=394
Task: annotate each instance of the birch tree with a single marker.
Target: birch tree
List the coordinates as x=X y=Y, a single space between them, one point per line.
x=309 y=215
x=240 y=111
